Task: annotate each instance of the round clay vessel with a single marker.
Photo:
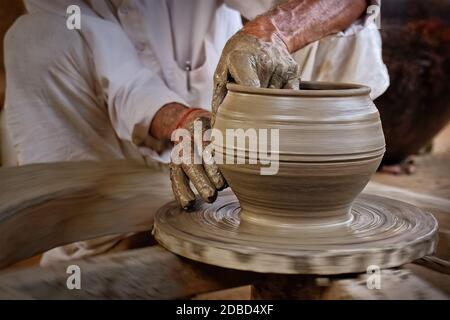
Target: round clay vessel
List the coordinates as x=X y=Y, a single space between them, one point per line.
x=330 y=143
x=306 y=218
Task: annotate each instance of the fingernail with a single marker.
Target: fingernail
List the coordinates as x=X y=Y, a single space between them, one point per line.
x=189 y=206
x=212 y=198
x=224 y=186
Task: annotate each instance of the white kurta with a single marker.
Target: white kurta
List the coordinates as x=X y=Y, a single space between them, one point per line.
x=78 y=94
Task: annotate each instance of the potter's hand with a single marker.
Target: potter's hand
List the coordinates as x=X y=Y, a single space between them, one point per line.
x=255 y=62
x=175 y=120
x=204 y=174
x=258 y=55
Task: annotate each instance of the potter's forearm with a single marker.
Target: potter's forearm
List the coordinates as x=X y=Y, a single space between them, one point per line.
x=165 y=119
x=299 y=22
x=171 y=116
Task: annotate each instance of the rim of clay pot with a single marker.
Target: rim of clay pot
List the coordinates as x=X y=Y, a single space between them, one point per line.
x=308 y=89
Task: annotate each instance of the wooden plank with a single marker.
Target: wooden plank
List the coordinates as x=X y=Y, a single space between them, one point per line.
x=150 y=273
x=435 y=263
x=394 y=284
x=48 y=205
x=435 y=278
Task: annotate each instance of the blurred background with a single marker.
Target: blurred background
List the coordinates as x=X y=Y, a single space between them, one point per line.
x=9 y=11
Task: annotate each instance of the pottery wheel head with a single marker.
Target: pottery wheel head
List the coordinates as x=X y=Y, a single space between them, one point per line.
x=380 y=231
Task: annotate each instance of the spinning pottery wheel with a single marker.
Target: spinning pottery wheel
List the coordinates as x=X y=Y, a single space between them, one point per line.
x=309 y=217
x=381 y=232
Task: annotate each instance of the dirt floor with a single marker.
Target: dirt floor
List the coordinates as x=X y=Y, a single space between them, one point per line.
x=432 y=174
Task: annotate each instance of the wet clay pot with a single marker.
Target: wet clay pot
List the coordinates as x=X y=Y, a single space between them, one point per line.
x=330 y=143
x=307 y=218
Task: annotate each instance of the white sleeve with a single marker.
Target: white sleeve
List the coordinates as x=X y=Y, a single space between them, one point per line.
x=353 y=55
x=133 y=92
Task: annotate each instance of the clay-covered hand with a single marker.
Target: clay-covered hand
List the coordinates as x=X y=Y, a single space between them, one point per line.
x=258 y=55
x=251 y=61
x=205 y=174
